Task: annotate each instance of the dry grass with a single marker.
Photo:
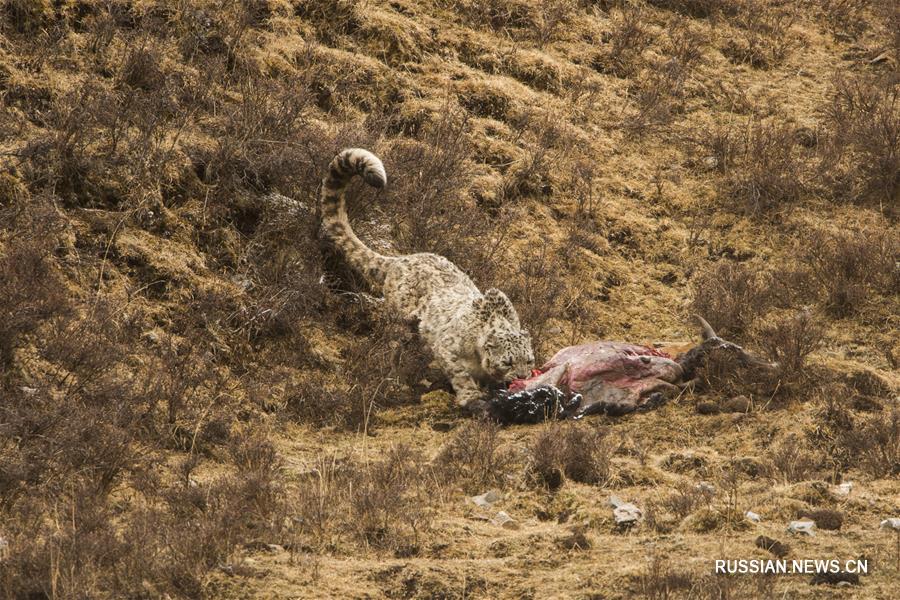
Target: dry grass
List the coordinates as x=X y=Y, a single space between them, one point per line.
x=190 y=378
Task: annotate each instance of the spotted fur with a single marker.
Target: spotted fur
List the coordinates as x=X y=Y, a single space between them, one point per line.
x=476 y=338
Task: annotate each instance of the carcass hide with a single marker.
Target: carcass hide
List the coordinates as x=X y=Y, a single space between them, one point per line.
x=614 y=378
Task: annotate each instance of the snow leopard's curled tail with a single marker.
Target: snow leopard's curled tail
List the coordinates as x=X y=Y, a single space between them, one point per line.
x=347 y=164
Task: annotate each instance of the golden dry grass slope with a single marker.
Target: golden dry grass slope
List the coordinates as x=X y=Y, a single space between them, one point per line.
x=198 y=400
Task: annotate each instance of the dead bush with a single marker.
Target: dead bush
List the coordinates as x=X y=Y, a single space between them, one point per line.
x=761 y=35
x=574 y=451
x=859 y=159
x=793 y=460
x=386 y=503
x=731 y=296
x=873 y=444
x=498 y=14
x=789 y=339
x=390 y=500
x=332 y=18
x=627 y=41
x=475 y=459
x=694 y=8
x=846 y=17
x=660 y=581
x=687 y=498
x=848 y=266
x=30 y=283
x=768 y=169
x=552 y=16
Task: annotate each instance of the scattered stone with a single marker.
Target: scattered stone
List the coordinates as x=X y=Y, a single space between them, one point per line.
x=753 y=516
x=844 y=489
x=824 y=518
x=738 y=404
x=486 y=499
x=774 y=546
x=501 y=519
x=892 y=523
x=625 y=513
x=708 y=408
x=841 y=578
x=802 y=528
x=4 y=549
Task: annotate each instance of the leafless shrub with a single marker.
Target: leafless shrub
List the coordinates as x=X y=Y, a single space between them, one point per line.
x=474 y=458
x=333 y=18
x=847 y=17
x=873 y=444
x=849 y=266
x=731 y=296
x=793 y=460
x=628 y=39
x=789 y=339
x=694 y=8
x=389 y=500
x=659 y=96
x=660 y=581
x=553 y=15
x=546 y=145
x=498 y=14
x=687 y=498
x=860 y=154
x=428 y=204
x=769 y=164
x=762 y=35
x=571 y=451
x=29 y=282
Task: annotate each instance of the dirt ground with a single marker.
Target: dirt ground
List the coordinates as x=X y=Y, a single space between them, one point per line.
x=614 y=166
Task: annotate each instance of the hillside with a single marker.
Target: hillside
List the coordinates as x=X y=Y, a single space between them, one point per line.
x=201 y=400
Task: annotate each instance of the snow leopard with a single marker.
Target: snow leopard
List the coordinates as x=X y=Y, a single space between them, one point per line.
x=476 y=338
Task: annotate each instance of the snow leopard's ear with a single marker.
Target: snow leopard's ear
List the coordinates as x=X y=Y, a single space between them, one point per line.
x=495 y=305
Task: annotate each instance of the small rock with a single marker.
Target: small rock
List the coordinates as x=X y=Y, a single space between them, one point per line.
x=4 y=549
x=28 y=391
x=738 y=404
x=486 y=499
x=753 y=516
x=844 y=489
x=501 y=519
x=707 y=408
x=892 y=523
x=802 y=528
x=841 y=578
x=774 y=546
x=625 y=513
x=710 y=162
x=824 y=518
